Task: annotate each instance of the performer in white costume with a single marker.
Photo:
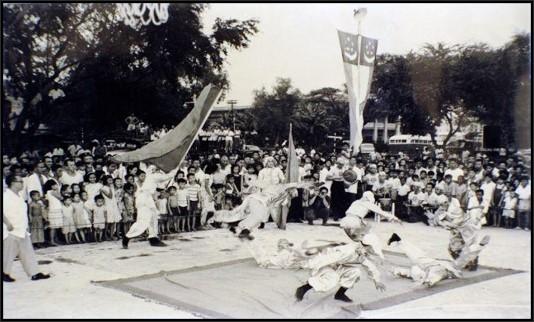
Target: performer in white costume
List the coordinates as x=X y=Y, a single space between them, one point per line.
x=354 y=223
x=429 y=271
x=464 y=230
x=147 y=212
x=257 y=207
x=339 y=266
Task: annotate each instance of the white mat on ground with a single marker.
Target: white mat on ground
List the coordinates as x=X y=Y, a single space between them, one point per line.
x=240 y=289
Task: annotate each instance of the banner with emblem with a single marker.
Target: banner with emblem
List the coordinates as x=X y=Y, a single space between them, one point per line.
x=359 y=54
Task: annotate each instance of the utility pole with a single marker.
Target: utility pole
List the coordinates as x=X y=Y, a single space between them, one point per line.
x=232 y=103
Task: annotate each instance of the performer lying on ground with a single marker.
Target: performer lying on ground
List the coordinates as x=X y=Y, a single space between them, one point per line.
x=287 y=256
x=429 y=271
x=257 y=208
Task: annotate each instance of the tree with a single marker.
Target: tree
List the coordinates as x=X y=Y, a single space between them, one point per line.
x=275 y=110
x=106 y=69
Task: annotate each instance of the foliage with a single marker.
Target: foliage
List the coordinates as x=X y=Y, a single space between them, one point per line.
x=107 y=70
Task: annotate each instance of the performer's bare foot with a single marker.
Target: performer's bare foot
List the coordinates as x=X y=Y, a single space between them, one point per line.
x=299 y=294
x=245 y=233
x=340 y=295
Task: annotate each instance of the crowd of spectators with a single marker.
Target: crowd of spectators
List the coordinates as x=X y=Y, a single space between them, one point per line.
x=76 y=194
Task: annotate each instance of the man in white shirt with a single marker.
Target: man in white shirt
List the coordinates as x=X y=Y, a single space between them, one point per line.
x=454 y=170
x=70 y=174
x=36 y=180
x=524 y=203
x=17 y=240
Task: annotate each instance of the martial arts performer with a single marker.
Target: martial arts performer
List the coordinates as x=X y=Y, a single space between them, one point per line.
x=147 y=212
x=354 y=223
x=427 y=270
x=287 y=256
x=339 y=266
x=464 y=229
x=257 y=207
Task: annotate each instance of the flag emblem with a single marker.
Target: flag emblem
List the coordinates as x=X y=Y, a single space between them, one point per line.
x=368 y=56
x=349 y=47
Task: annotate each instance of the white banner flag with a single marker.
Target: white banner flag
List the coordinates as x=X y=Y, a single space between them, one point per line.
x=359 y=54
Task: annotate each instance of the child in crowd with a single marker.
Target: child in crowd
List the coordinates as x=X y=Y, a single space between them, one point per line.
x=508 y=204
x=37 y=214
x=99 y=217
x=81 y=218
x=128 y=200
x=183 y=205
x=231 y=192
x=249 y=181
x=69 y=228
x=87 y=207
x=218 y=197
x=113 y=213
x=193 y=194
x=173 y=209
x=163 y=219
x=118 y=191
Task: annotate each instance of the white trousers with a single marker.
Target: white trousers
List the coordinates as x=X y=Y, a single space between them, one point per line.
x=259 y=213
x=146 y=219
x=328 y=278
x=13 y=246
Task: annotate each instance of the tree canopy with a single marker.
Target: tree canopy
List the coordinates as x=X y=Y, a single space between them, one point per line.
x=438 y=84
x=75 y=65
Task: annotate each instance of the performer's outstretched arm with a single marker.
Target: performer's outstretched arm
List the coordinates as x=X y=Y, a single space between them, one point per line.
x=374 y=274
x=376 y=209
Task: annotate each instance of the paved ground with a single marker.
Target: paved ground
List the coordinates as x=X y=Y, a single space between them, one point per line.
x=70 y=293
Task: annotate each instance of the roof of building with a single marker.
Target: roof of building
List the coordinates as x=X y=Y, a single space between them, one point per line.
x=229 y=108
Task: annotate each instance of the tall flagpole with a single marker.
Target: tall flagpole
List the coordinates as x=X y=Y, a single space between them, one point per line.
x=358 y=15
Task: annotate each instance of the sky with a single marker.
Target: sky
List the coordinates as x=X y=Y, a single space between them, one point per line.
x=299 y=41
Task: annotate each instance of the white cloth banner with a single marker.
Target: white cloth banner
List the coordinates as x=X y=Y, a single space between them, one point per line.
x=358 y=64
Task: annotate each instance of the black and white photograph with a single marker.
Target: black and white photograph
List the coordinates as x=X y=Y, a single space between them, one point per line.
x=190 y=160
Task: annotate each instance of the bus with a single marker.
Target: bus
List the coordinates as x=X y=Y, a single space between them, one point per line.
x=409 y=144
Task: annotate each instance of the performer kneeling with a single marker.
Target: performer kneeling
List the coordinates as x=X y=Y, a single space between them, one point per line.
x=339 y=267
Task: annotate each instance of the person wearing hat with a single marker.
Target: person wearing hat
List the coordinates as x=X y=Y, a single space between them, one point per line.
x=268 y=177
x=463 y=227
x=147 y=212
x=339 y=266
x=429 y=271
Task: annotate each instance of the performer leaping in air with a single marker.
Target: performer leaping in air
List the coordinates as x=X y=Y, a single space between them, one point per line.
x=257 y=207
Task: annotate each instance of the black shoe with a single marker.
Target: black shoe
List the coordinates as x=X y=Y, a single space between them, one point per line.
x=125 y=241
x=393 y=238
x=299 y=294
x=7 y=278
x=245 y=233
x=154 y=241
x=340 y=295
x=40 y=276
x=232 y=229
x=262 y=225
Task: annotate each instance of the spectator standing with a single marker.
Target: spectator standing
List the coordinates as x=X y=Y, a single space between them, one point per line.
x=16 y=238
